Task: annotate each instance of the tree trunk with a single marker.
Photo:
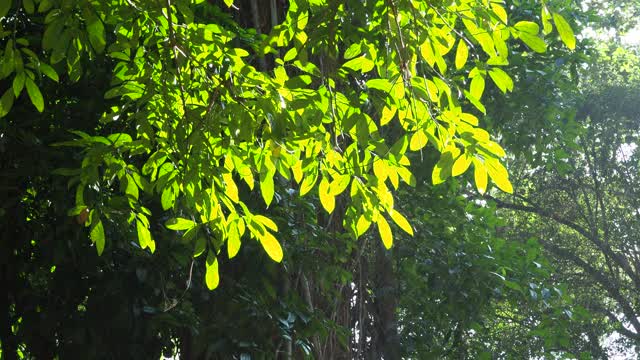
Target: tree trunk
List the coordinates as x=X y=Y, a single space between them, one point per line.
x=386 y=304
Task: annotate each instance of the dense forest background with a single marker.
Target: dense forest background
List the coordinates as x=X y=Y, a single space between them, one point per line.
x=323 y=179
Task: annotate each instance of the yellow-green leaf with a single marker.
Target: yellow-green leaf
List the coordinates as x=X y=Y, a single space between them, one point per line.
x=387 y=115
x=362 y=225
x=233 y=243
x=546 y=24
x=462 y=53
x=527 y=27
x=212 y=278
x=469 y=118
x=480 y=175
x=427 y=53
x=501 y=79
x=534 y=42
x=229 y=3
x=418 y=140
x=179 y=224
x=385 y=232
x=442 y=170
x=297 y=171
x=144 y=236
x=327 y=200
x=97 y=235
x=271 y=246
x=268 y=223
x=499 y=175
x=230 y=188
x=339 y=184
x=267 y=188
x=401 y=221
x=477 y=87
x=461 y=164
x=308 y=183
x=564 y=29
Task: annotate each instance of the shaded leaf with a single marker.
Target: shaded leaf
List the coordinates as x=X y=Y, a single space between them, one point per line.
x=34 y=94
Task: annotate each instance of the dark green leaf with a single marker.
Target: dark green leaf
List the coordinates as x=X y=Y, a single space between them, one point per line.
x=34 y=94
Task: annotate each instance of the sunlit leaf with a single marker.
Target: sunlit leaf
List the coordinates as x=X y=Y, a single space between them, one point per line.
x=179 y=224
x=462 y=53
x=212 y=278
x=327 y=199
x=385 y=232
x=461 y=164
x=480 y=175
x=565 y=31
x=501 y=79
x=418 y=140
x=401 y=221
x=97 y=234
x=271 y=246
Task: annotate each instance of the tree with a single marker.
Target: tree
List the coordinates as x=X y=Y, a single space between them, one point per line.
x=167 y=117
x=580 y=203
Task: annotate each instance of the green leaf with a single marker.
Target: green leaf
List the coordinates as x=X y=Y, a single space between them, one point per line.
x=527 y=27
x=97 y=234
x=229 y=3
x=179 y=224
x=271 y=246
x=564 y=29
x=168 y=198
x=45 y=5
x=546 y=24
x=499 y=175
x=442 y=170
x=266 y=187
x=6 y=102
x=385 y=232
x=327 y=199
x=200 y=246
x=308 y=183
x=462 y=53
x=290 y=55
x=95 y=29
x=501 y=79
x=18 y=83
x=49 y=72
x=353 y=51
x=34 y=94
x=29 y=6
x=534 y=42
x=268 y=223
x=212 y=278
x=144 y=236
x=401 y=221
x=5 y=6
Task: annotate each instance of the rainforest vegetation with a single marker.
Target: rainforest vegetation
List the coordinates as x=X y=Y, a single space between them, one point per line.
x=319 y=179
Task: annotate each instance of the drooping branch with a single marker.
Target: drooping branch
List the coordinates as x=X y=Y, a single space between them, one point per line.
x=604 y=281
x=592 y=237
